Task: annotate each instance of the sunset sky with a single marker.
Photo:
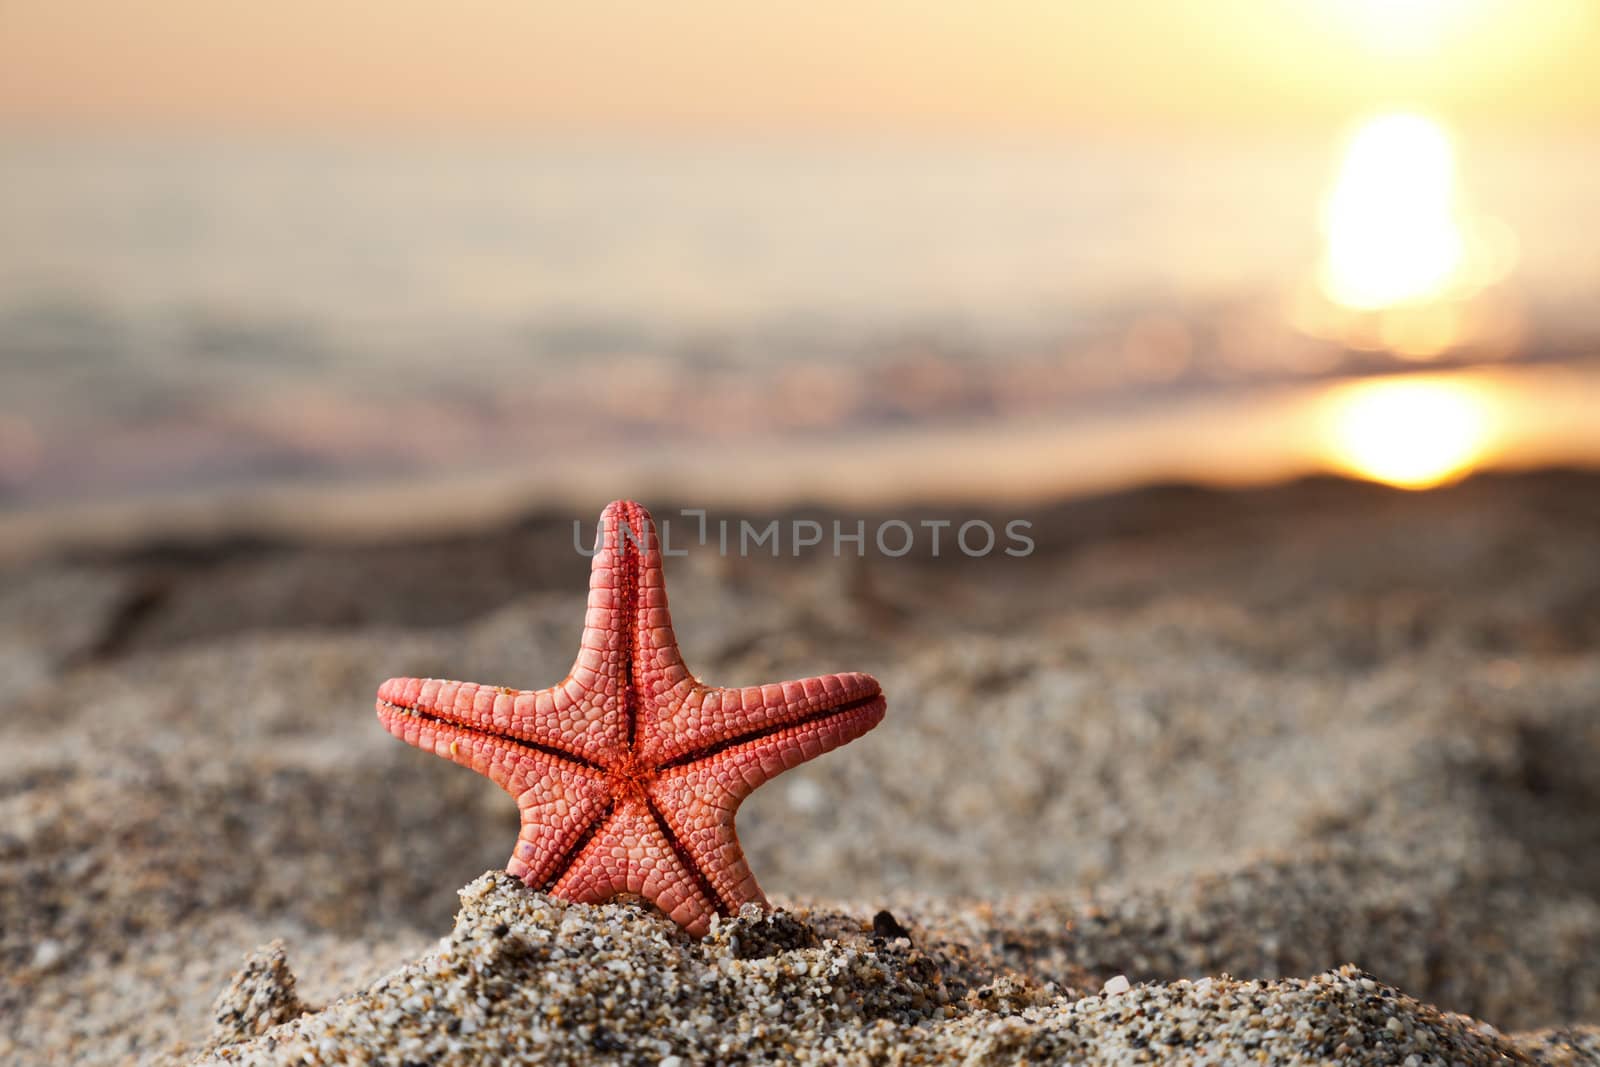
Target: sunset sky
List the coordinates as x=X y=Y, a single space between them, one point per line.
x=996 y=66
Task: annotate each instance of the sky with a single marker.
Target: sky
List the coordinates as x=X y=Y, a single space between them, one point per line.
x=1003 y=66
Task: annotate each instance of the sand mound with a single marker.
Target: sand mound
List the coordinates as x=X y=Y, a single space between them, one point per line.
x=533 y=979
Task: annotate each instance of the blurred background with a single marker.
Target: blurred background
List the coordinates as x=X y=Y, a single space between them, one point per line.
x=1012 y=248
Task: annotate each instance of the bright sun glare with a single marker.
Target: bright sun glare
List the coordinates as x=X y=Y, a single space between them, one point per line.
x=1414 y=432
x=1391 y=222
x=1406 y=266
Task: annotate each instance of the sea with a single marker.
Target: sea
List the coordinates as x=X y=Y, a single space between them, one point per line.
x=193 y=315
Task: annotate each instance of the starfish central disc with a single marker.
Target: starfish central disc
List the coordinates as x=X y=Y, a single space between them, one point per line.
x=628 y=771
x=631 y=777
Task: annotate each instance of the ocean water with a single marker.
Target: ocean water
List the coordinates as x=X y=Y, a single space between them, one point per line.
x=191 y=315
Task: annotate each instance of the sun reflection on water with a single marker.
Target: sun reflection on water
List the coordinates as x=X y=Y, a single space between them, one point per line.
x=1410 y=432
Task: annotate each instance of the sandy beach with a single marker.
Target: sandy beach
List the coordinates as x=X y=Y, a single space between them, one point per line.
x=1298 y=774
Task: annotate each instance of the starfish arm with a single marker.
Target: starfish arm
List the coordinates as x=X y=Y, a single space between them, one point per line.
x=629 y=649
x=699 y=799
x=565 y=720
x=559 y=799
x=554 y=831
x=708 y=719
x=633 y=852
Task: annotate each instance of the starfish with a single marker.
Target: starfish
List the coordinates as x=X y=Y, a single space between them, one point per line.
x=628 y=771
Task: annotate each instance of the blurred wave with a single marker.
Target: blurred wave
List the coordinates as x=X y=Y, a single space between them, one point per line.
x=189 y=315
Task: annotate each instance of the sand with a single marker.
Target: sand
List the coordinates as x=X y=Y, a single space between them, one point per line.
x=527 y=977
x=1262 y=734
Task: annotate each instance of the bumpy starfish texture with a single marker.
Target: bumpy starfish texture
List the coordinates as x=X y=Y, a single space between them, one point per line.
x=628 y=772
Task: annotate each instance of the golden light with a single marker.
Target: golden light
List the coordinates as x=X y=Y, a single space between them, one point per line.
x=1412 y=25
x=1469 y=40
x=1391 y=224
x=1413 y=432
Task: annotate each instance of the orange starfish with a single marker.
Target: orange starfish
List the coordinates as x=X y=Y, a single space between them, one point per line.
x=628 y=772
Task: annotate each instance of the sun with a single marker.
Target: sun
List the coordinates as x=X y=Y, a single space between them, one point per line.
x=1391 y=224
x=1413 y=432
